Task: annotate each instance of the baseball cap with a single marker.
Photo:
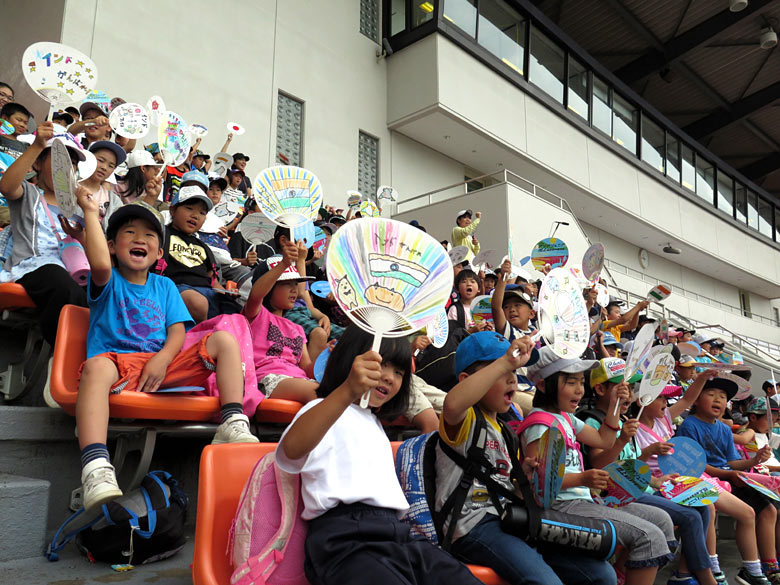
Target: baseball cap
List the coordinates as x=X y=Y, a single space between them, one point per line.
x=337 y=220
x=154 y=148
x=671 y=391
x=463 y=212
x=290 y=273
x=729 y=387
x=686 y=360
x=717 y=343
x=87 y=106
x=609 y=339
x=515 y=291
x=675 y=332
x=201 y=154
x=69 y=140
x=758 y=405
x=118 y=151
x=192 y=193
x=484 y=346
x=767 y=385
x=135 y=209
x=239 y=156
x=550 y=363
x=141 y=158
x=195 y=176
x=61 y=116
x=330 y=227
x=611 y=370
x=214 y=178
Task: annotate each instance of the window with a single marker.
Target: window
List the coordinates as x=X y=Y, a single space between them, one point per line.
x=602 y=110
x=725 y=193
x=624 y=123
x=369 y=19
x=397 y=17
x=705 y=180
x=577 y=84
x=368 y=164
x=289 y=130
x=673 y=158
x=752 y=210
x=776 y=312
x=653 y=144
x=502 y=32
x=744 y=304
x=688 y=168
x=422 y=12
x=740 y=203
x=546 y=65
x=777 y=224
x=765 y=217
x=463 y=14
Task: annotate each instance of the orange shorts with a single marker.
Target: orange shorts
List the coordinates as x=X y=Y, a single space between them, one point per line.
x=191 y=367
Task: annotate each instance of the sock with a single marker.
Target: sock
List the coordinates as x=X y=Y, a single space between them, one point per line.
x=715 y=564
x=229 y=409
x=92 y=452
x=753 y=567
x=769 y=566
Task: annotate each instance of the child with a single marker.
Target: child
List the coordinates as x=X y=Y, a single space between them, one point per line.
x=108 y=156
x=142 y=180
x=35 y=260
x=16 y=115
x=136 y=332
x=646 y=532
x=692 y=522
x=757 y=422
x=723 y=462
x=282 y=360
x=188 y=261
x=467 y=285
x=513 y=309
x=350 y=491
x=485 y=365
x=616 y=322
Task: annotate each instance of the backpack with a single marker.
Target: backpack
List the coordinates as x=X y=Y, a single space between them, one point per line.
x=142 y=526
x=267 y=535
x=415 y=465
x=436 y=365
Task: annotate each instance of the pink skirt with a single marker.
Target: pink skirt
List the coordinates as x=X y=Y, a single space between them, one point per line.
x=720 y=484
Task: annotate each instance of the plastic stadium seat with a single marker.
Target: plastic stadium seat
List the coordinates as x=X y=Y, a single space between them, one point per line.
x=13 y=296
x=224 y=469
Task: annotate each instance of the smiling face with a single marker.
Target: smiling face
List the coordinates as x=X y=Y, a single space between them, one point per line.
x=464 y=221
x=571 y=389
x=136 y=245
x=711 y=404
x=94 y=133
x=283 y=295
x=390 y=383
x=188 y=217
x=106 y=163
x=19 y=121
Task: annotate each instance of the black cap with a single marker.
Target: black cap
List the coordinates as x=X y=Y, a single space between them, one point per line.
x=135 y=209
x=729 y=387
x=239 y=156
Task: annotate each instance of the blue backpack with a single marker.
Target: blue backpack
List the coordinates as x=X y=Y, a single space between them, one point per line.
x=415 y=465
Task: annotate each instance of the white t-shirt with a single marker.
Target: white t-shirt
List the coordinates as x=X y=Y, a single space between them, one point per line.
x=762 y=441
x=353 y=463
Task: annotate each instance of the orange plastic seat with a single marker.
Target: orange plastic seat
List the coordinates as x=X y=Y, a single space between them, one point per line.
x=70 y=351
x=224 y=469
x=13 y=296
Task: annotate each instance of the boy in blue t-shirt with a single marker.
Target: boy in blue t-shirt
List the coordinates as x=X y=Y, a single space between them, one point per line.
x=135 y=339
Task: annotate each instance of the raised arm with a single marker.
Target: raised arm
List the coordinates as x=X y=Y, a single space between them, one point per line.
x=497 y=302
x=691 y=394
x=227 y=142
x=95 y=245
x=461 y=232
x=266 y=282
x=11 y=182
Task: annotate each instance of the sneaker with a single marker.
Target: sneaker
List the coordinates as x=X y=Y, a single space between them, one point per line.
x=235 y=430
x=47 y=397
x=745 y=578
x=720 y=577
x=99 y=484
x=675 y=579
x=774 y=578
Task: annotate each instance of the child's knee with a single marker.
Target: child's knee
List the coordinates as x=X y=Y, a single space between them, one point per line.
x=769 y=513
x=318 y=336
x=220 y=342
x=98 y=368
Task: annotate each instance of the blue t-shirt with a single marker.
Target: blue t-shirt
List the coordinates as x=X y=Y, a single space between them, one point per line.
x=716 y=438
x=133 y=318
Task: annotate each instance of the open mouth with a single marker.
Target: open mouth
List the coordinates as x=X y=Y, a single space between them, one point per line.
x=192 y=223
x=138 y=252
x=382 y=391
x=575 y=402
x=508 y=396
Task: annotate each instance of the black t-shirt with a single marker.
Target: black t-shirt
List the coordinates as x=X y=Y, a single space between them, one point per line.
x=188 y=260
x=12 y=147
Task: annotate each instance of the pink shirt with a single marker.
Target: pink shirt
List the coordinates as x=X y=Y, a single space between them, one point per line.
x=278 y=345
x=663 y=430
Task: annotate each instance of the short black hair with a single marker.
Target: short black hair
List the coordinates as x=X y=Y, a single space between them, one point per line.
x=112 y=231
x=464 y=274
x=4 y=84
x=547 y=398
x=73 y=110
x=354 y=342
x=611 y=304
x=12 y=108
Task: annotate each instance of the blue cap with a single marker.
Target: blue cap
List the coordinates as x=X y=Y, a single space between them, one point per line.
x=609 y=339
x=196 y=176
x=485 y=346
x=118 y=151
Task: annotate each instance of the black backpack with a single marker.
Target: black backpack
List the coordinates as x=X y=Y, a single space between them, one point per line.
x=143 y=526
x=436 y=365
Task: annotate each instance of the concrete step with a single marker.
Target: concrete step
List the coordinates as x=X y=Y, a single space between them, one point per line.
x=24 y=506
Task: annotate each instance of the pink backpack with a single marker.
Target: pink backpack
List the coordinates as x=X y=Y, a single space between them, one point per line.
x=268 y=534
x=540 y=417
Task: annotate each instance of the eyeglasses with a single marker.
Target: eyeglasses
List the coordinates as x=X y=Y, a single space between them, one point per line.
x=7 y=96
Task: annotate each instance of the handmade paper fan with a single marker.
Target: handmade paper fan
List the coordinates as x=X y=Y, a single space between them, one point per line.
x=485 y=259
x=256 y=229
x=562 y=309
x=288 y=196
x=58 y=73
x=368 y=209
x=655 y=378
x=642 y=344
x=220 y=163
x=659 y=293
x=438 y=329
x=63 y=178
x=458 y=254
x=321 y=288
x=593 y=261
x=155 y=106
x=235 y=128
x=386 y=192
x=100 y=98
x=173 y=138
x=199 y=130
x=353 y=199
x=481 y=309
x=6 y=128
x=552 y=251
x=389 y=277
x=130 y=120
x=602 y=292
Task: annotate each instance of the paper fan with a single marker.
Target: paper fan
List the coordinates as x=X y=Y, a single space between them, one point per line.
x=481 y=309
x=485 y=259
x=289 y=196
x=58 y=73
x=458 y=254
x=321 y=288
x=100 y=98
x=386 y=192
x=63 y=178
x=552 y=251
x=235 y=128
x=602 y=293
x=579 y=276
x=368 y=209
x=173 y=138
x=6 y=128
x=320 y=240
x=655 y=379
x=130 y=120
x=659 y=293
x=256 y=229
x=155 y=106
x=306 y=233
x=639 y=349
x=199 y=130
x=389 y=277
x=562 y=306
x=438 y=329
x=593 y=261
x=353 y=199
x=220 y=163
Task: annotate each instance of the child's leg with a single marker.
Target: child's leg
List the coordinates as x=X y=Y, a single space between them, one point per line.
x=743 y=514
x=765 y=532
x=297 y=389
x=579 y=569
x=318 y=340
x=509 y=556
x=197 y=304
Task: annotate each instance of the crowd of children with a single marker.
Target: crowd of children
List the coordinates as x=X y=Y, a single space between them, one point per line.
x=161 y=263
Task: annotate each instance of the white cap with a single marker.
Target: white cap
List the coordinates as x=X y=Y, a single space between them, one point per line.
x=141 y=158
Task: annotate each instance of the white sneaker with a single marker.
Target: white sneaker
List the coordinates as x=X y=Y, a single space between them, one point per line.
x=99 y=483
x=47 y=397
x=234 y=430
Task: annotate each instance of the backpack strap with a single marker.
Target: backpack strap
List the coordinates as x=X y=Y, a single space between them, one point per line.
x=57 y=543
x=461 y=312
x=540 y=417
